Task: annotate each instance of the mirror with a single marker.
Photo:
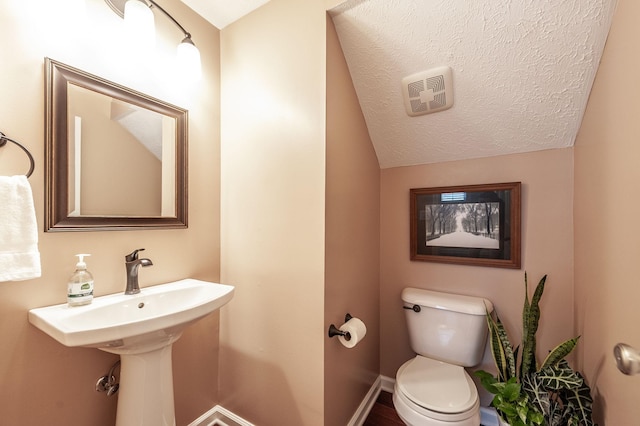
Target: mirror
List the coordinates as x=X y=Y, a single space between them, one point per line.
x=116 y=158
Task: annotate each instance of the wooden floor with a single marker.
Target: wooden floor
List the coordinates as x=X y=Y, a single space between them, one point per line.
x=383 y=413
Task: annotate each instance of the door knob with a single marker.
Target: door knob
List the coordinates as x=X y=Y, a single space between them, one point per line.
x=627 y=359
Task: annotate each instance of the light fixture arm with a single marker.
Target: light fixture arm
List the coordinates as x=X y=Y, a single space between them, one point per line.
x=140 y=22
x=186 y=33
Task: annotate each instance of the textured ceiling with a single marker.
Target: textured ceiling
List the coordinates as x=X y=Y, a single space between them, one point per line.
x=522 y=72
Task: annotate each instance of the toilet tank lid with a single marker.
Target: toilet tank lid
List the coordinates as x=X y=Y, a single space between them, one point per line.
x=447 y=301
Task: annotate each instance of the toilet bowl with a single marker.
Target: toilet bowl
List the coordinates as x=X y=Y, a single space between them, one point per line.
x=434 y=393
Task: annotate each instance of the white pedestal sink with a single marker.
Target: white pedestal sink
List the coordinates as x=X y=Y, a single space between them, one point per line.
x=141 y=328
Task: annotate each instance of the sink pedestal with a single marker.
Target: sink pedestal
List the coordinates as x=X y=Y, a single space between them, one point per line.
x=145 y=396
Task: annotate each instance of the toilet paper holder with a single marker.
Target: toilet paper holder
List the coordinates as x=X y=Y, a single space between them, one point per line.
x=335 y=331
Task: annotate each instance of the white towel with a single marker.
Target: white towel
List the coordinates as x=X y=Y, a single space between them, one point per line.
x=19 y=256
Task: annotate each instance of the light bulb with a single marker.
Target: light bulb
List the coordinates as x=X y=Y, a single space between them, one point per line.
x=139 y=22
x=188 y=57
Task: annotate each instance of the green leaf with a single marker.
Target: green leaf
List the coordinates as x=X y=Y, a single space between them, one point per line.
x=511 y=391
x=501 y=349
x=580 y=401
x=526 y=308
x=512 y=403
x=530 y=320
x=488 y=381
x=559 y=353
x=536 y=418
x=537 y=394
x=560 y=394
x=559 y=377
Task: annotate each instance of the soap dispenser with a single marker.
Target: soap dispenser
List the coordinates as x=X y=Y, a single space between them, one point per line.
x=80 y=287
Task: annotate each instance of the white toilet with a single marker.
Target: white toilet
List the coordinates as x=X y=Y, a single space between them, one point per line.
x=448 y=332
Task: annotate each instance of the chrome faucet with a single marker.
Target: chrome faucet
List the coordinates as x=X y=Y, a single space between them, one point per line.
x=132 y=263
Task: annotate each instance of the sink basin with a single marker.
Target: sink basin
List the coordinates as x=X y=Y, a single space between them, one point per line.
x=141 y=328
x=126 y=321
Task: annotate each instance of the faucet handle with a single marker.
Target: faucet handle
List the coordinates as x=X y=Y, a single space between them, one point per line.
x=133 y=256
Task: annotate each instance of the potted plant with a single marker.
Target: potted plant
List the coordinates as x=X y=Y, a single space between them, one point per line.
x=528 y=393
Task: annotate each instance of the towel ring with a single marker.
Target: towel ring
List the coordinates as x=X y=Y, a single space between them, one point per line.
x=3 y=142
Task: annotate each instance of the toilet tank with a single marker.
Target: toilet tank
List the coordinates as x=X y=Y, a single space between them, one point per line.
x=447 y=327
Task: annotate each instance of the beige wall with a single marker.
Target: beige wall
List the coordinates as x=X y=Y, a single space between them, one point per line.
x=273 y=214
x=352 y=273
x=547 y=247
x=606 y=239
x=288 y=203
x=44 y=382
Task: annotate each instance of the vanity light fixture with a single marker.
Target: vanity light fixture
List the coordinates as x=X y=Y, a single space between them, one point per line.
x=138 y=16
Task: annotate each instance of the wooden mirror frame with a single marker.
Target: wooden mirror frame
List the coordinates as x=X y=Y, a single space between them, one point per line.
x=57 y=78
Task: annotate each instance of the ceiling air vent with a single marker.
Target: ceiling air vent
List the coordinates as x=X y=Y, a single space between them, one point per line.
x=428 y=91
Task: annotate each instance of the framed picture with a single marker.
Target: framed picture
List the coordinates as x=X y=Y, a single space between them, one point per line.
x=471 y=225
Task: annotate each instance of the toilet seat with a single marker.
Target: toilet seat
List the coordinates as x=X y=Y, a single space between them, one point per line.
x=437 y=390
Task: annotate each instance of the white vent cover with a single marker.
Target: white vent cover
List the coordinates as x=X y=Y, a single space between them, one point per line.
x=428 y=91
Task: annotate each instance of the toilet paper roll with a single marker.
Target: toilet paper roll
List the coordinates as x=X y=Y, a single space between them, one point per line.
x=356 y=329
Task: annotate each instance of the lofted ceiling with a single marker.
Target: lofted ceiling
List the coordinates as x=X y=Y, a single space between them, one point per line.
x=522 y=70
x=223 y=12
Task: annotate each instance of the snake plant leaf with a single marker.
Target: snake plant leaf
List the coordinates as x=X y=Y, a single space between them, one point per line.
x=559 y=353
x=530 y=320
x=526 y=307
x=501 y=349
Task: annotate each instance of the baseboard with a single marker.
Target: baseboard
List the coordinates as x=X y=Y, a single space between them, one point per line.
x=382 y=383
x=219 y=416
x=387 y=383
x=367 y=403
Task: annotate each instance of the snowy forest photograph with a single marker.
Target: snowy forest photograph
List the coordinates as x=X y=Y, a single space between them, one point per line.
x=475 y=224
x=463 y=225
